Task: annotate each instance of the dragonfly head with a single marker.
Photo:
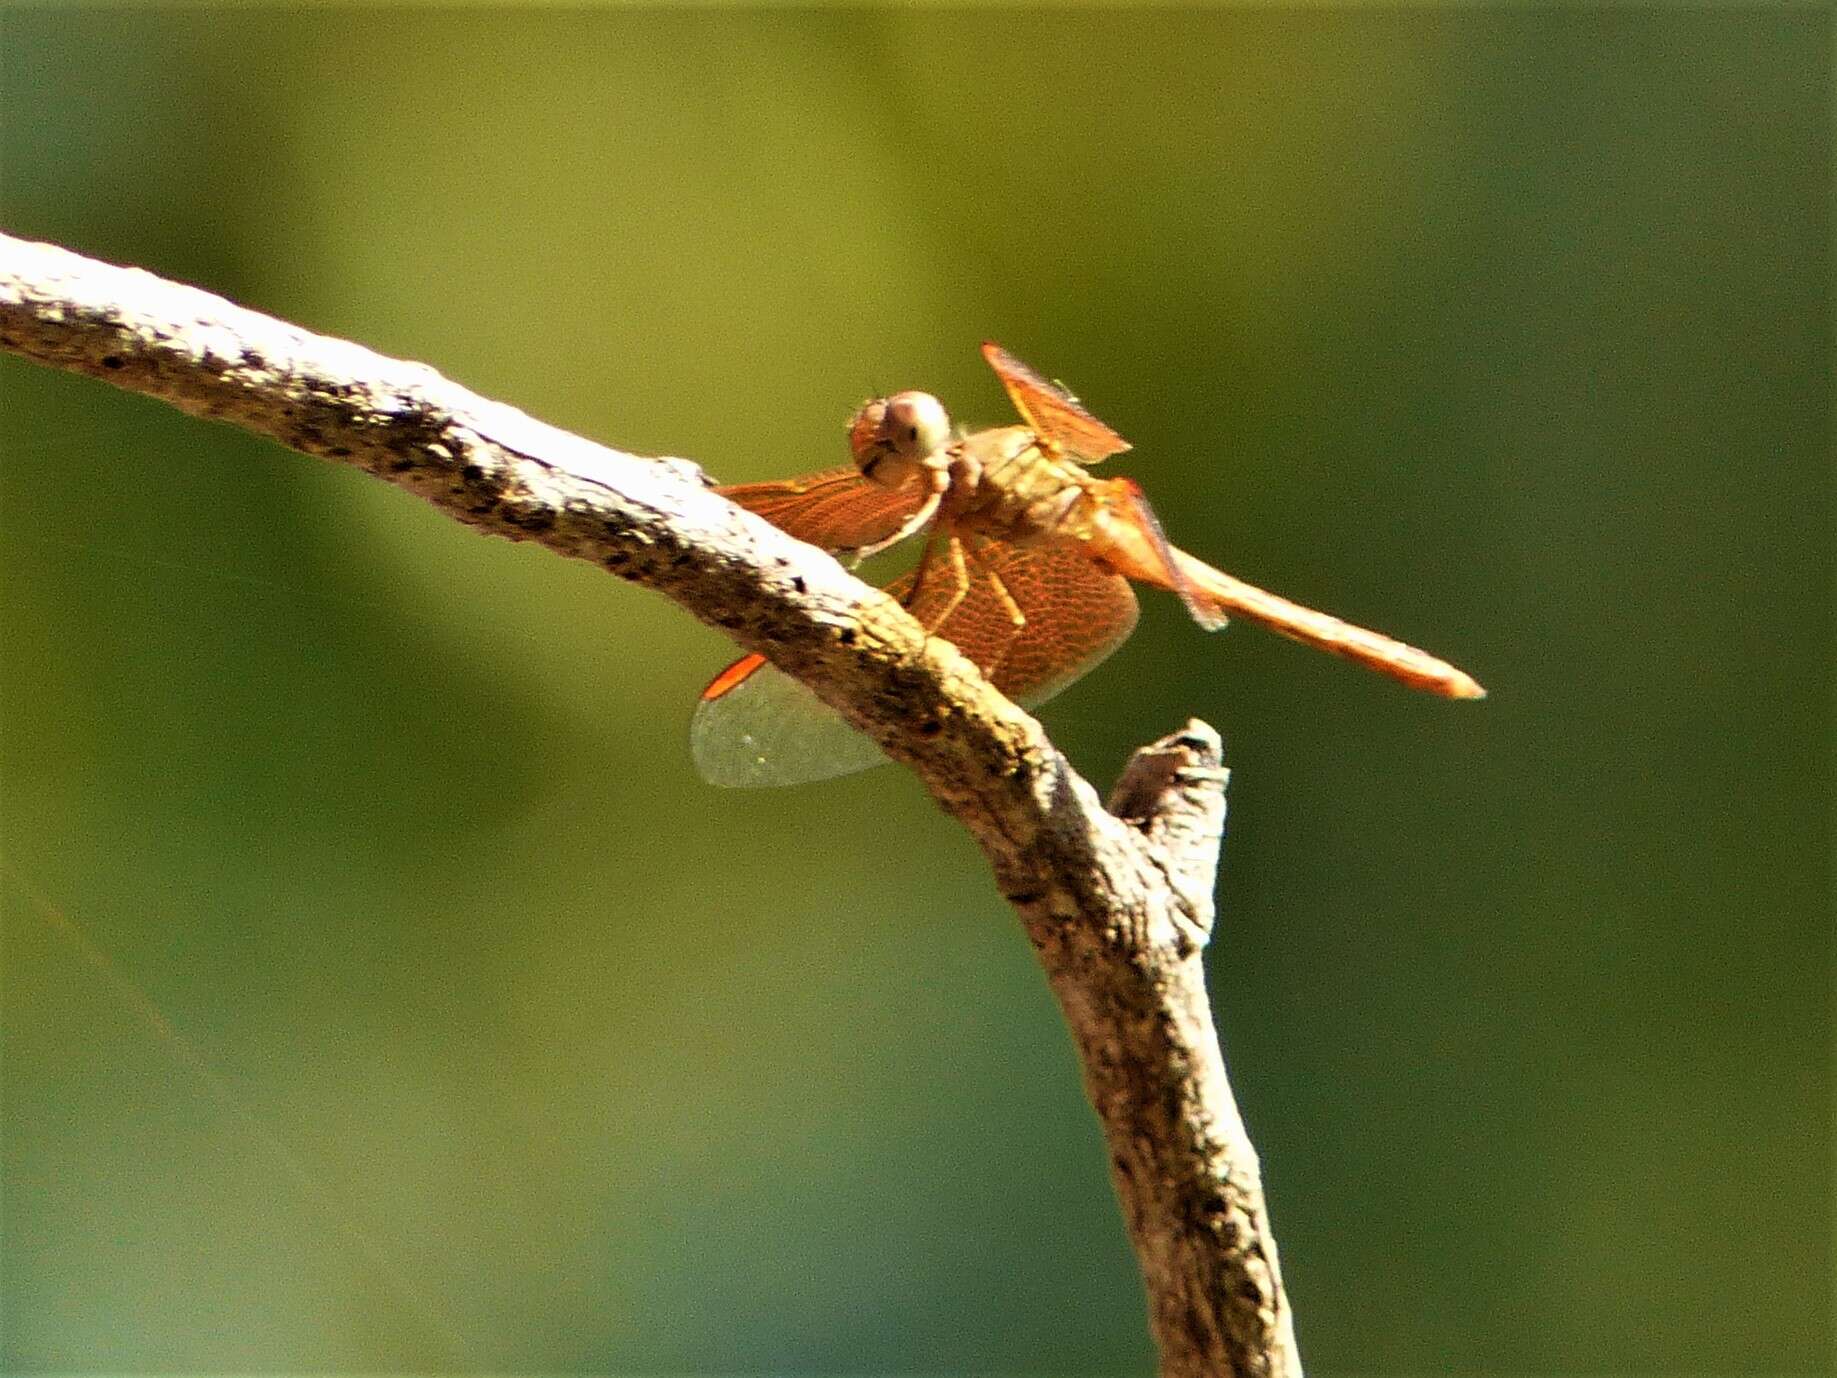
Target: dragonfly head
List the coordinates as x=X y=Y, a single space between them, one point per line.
x=891 y=437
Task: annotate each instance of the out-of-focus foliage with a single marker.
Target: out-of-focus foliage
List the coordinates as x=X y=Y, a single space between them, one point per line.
x=383 y=992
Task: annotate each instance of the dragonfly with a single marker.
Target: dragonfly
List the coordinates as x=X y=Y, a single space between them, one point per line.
x=1026 y=568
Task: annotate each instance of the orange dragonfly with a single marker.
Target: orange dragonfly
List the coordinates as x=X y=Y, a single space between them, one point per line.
x=1026 y=568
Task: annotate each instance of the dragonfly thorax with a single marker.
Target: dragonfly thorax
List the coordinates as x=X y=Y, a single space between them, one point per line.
x=1006 y=485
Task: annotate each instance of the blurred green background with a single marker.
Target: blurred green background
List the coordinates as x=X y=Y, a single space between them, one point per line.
x=382 y=991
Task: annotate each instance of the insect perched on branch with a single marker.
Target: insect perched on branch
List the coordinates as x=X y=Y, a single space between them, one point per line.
x=1026 y=568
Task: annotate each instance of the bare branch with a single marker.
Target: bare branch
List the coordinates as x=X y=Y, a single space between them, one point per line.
x=1117 y=910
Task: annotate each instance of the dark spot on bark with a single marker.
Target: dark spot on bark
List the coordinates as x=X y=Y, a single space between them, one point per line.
x=340 y=452
x=472 y=474
x=617 y=560
x=1023 y=897
x=113 y=361
x=847 y=636
x=930 y=727
x=798 y=584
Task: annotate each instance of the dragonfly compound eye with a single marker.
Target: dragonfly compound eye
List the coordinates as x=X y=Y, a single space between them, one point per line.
x=915 y=424
x=867 y=430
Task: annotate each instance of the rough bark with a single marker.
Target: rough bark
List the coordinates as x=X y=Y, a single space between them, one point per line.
x=1117 y=903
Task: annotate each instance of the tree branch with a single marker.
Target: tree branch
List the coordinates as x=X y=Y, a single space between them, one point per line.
x=1118 y=904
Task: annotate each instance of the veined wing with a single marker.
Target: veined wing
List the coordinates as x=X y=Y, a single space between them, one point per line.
x=837 y=509
x=1074 y=615
x=756 y=726
x=1052 y=411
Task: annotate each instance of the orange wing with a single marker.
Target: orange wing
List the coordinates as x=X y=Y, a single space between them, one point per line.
x=756 y=726
x=837 y=509
x=1072 y=613
x=1151 y=557
x=1052 y=411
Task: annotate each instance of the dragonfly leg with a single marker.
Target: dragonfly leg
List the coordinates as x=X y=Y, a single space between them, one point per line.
x=921 y=601
x=1017 y=620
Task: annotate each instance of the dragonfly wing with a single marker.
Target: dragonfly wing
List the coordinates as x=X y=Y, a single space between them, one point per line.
x=764 y=729
x=1035 y=619
x=755 y=725
x=1137 y=545
x=1052 y=411
x=1077 y=614
x=837 y=509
